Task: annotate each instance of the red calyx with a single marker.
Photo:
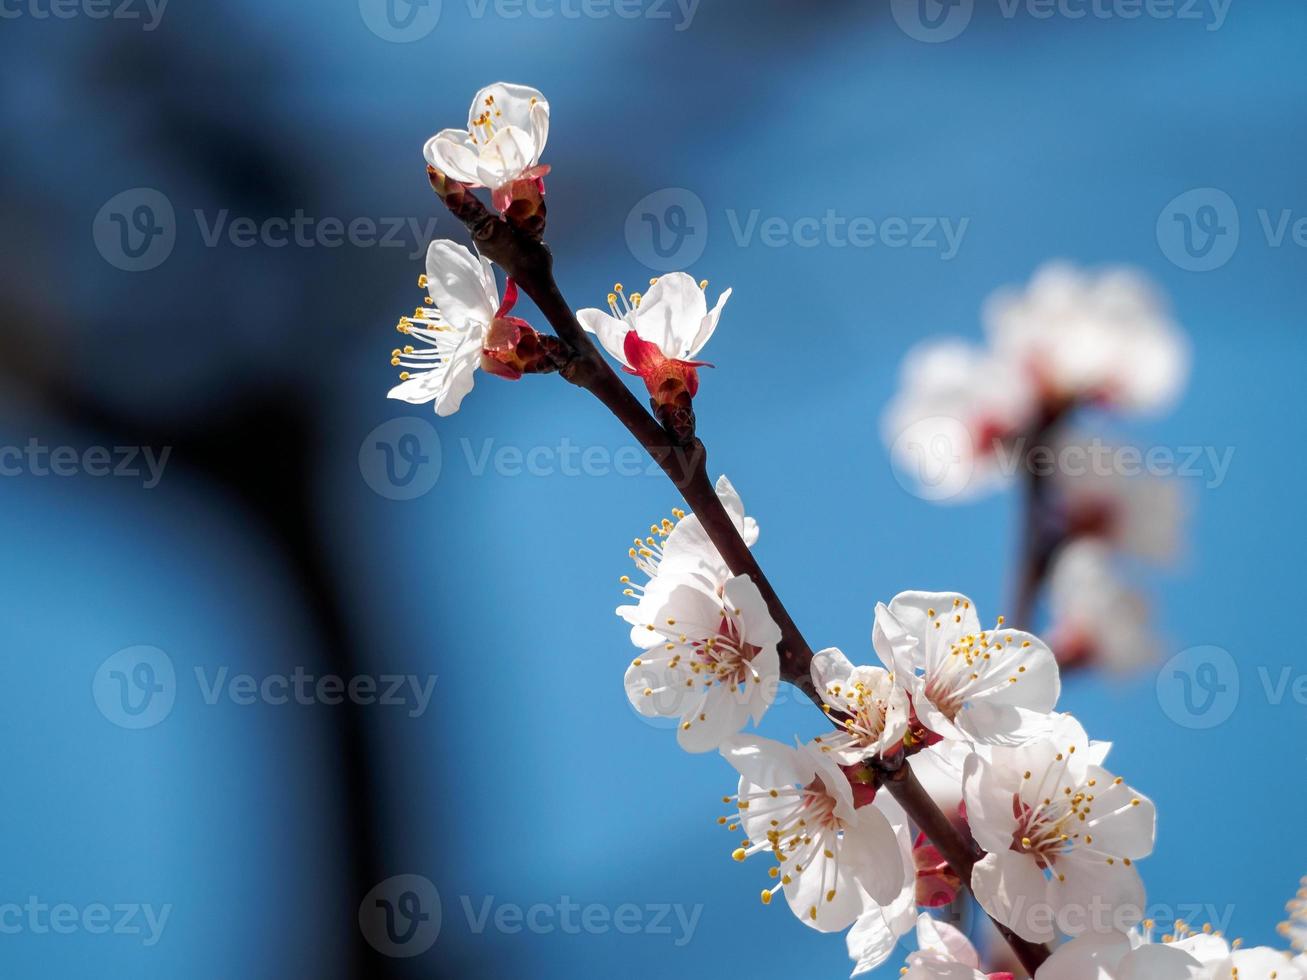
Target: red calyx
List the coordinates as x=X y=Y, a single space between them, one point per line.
x=937 y=883
x=672 y=383
x=511 y=347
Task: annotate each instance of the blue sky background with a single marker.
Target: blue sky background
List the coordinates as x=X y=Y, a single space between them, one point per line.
x=529 y=778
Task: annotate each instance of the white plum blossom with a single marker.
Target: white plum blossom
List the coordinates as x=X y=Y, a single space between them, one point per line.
x=466 y=302
x=673 y=316
x=956 y=408
x=991 y=687
x=1258 y=963
x=1139 y=515
x=674 y=548
x=1091 y=337
x=1062 y=833
x=878 y=928
x=1097 y=617
x=797 y=804
x=869 y=707
x=507 y=128
x=944 y=953
x=1120 y=956
x=712 y=659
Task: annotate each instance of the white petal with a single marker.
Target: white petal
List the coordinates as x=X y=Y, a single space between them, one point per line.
x=730 y=499
x=608 y=330
x=872 y=850
x=1011 y=888
x=1123 y=822
x=461 y=284
x=509 y=153
x=1091 y=895
x=514 y=105
x=671 y=314
x=939 y=936
x=715 y=716
x=989 y=804
x=450 y=152
x=765 y=762
x=709 y=324
x=830 y=668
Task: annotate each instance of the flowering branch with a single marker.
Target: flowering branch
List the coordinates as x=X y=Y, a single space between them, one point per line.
x=528 y=262
x=1043 y=831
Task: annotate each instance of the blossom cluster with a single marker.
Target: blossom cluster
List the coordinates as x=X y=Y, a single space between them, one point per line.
x=1058 y=835
x=1070 y=340
x=1061 y=832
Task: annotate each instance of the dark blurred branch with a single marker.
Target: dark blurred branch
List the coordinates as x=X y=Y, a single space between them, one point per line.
x=1042 y=533
x=529 y=263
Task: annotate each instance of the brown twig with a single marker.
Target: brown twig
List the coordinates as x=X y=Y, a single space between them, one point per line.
x=960 y=853
x=528 y=261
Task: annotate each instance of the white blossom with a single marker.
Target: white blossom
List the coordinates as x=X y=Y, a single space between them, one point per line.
x=1062 y=833
x=673 y=316
x=798 y=805
x=1104 y=337
x=465 y=302
x=507 y=128
x=993 y=687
